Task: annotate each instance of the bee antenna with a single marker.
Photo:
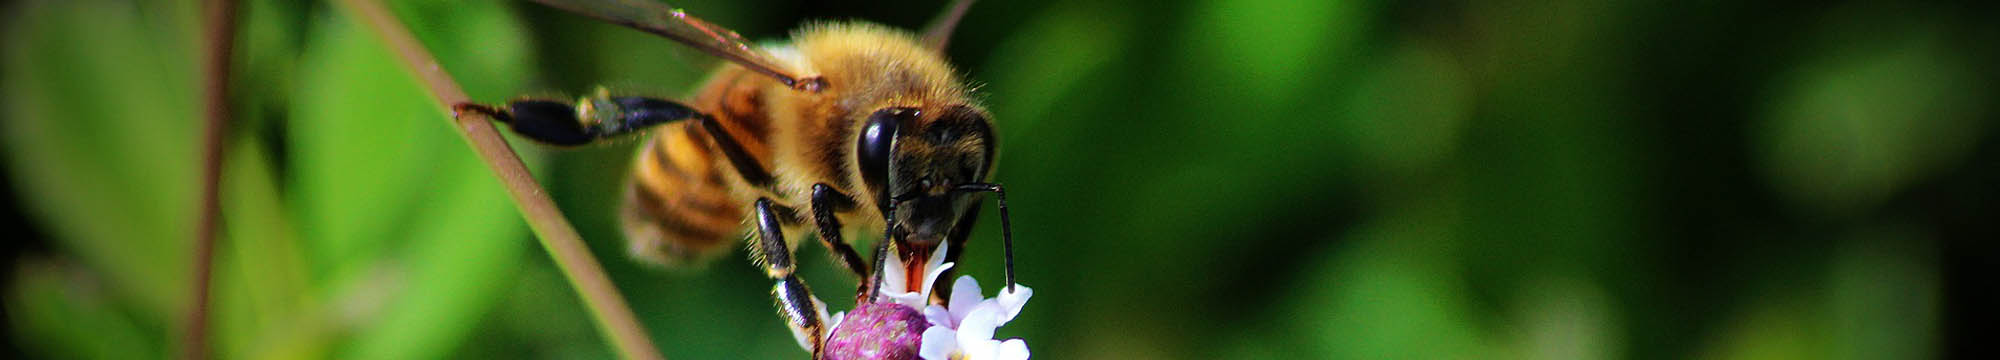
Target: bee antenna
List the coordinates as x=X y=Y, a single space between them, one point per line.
x=1006 y=226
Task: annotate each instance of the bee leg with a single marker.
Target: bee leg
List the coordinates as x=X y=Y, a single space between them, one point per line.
x=746 y=165
x=800 y=309
x=548 y=122
x=602 y=117
x=825 y=202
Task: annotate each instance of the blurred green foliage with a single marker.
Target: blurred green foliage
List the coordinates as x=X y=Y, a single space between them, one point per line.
x=1197 y=179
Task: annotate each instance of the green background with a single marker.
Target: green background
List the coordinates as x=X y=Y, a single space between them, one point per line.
x=1197 y=179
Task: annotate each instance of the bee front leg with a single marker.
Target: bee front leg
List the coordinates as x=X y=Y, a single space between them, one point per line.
x=825 y=202
x=802 y=311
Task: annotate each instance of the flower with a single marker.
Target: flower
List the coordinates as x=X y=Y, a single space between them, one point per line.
x=884 y=330
x=960 y=329
x=897 y=291
x=831 y=323
x=965 y=329
x=877 y=331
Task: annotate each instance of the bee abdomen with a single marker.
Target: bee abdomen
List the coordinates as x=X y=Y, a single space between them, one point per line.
x=679 y=208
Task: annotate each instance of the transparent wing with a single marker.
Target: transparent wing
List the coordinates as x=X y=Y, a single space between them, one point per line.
x=660 y=19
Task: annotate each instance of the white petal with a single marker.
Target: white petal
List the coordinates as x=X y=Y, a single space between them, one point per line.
x=800 y=334
x=990 y=304
x=938 y=343
x=1012 y=349
x=978 y=349
x=978 y=326
x=964 y=296
x=909 y=299
x=937 y=256
x=931 y=278
x=892 y=272
x=835 y=325
x=819 y=307
x=938 y=316
x=1012 y=301
x=933 y=268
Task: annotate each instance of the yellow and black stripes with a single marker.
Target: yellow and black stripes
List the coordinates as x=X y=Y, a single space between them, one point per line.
x=680 y=207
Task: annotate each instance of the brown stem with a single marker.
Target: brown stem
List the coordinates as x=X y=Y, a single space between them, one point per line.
x=220 y=41
x=614 y=317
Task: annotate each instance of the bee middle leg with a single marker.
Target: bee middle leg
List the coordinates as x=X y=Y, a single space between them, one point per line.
x=802 y=311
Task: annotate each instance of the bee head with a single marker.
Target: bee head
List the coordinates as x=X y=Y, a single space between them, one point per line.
x=912 y=159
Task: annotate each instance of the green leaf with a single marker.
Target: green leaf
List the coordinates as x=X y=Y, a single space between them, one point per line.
x=1392 y=293
x=100 y=132
x=1274 y=41
x=1865 y=119
x=1885 y=296
x=261 y=304
x=397 y=204
x=460 y=262
x=365 y=140
x=368 y=138
x=1027 y=83
x=64 y=312
x=1406 y=113
x=1773 y=329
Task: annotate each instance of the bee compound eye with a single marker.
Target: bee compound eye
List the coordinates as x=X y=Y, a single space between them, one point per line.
x=872 y=150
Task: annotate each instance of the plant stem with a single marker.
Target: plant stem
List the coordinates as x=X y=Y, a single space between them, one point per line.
x=614 y=317
x=220 y=36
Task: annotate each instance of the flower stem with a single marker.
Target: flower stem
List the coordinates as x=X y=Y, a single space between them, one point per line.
x=220 y=41
x=614 y=317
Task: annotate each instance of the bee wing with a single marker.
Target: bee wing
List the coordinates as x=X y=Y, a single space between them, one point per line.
x=938 y=33
x=660 y=19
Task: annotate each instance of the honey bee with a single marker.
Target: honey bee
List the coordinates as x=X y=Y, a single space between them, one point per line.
x=848 y=123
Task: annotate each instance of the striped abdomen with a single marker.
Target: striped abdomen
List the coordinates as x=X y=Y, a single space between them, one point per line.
x=685 y=200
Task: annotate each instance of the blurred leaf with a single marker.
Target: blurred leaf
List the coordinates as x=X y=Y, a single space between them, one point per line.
x=66 y=313
x=261 y=303
x=270 y=35
x=366 y=140
x=1884 y=297
x=538 y=317
x=100 y=133
x=479 y=42
x=379 y=162
x=1866 y=118
x=1027 y=82
x=1566 y=319
x=1391 y=292
x=1772 y=330
x=463 y=253
x=1407 y=112
x=1268 y=44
